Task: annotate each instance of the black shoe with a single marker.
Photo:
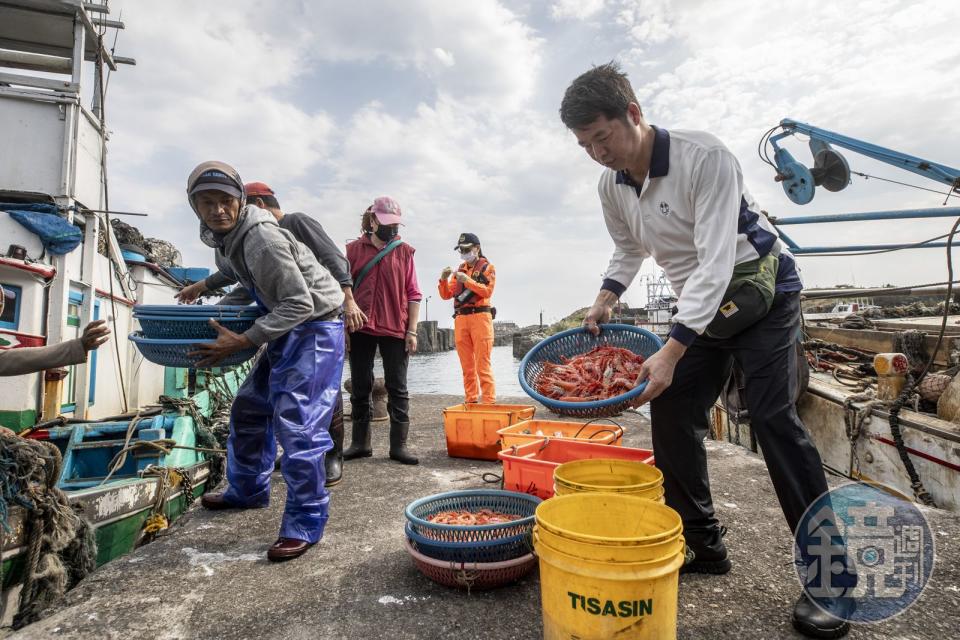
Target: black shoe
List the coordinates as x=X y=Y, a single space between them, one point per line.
x=360 y=446
x=814 y=622
x=398 y=443
x=706 y=561
x=333 y=461
x=707 y=555
x=216 y=502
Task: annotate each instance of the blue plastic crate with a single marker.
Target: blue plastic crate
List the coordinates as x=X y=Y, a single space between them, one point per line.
x=190 y=328
x=173 y=353
x=189 y=274
x=574 y=342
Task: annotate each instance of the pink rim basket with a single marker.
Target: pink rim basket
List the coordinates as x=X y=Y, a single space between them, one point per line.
x=471 y=575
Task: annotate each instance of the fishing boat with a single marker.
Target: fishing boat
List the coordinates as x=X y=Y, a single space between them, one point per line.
x=871 y=422
x=128 y=440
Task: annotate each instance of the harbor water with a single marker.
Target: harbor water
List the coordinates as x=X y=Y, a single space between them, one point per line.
x=440 y=373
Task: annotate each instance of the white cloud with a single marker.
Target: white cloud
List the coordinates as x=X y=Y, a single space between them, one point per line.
x=576 y=9
x=207 y=89
x=445 y=57
x=497 y=54
x=649 y=22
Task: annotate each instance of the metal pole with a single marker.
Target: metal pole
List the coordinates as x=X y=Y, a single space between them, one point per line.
x=939 y=212
x=799 y=251
x=936 y=289
x=114 y=213
x=35 y=61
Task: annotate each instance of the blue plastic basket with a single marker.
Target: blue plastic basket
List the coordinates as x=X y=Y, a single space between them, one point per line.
x=496 y=550
x=519 y=504
x=173 y=353
x=207 y=310
x=574 y=342
x=189 y=328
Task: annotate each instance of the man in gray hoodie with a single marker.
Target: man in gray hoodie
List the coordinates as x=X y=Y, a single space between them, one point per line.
x=293 y=387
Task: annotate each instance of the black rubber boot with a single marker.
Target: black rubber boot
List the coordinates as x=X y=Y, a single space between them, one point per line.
x=707 y=555
x=360 y=446
x=398 y=443
x=333 y=461
x=814 y=622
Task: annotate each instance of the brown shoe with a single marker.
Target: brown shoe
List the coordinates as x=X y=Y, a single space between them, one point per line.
x=287 y=549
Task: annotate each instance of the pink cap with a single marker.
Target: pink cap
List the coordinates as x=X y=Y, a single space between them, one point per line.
x=387 y=210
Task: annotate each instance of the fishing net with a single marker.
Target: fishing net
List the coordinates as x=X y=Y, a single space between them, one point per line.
x=163 y=252
x=61 y=548
x=913 y=344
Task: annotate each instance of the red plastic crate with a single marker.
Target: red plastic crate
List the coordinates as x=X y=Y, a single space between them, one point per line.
x=529 y=468
x=471 y=429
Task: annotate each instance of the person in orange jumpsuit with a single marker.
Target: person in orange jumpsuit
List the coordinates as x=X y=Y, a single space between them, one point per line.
x=471 y=288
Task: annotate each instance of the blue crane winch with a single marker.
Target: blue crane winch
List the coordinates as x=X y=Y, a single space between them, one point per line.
x=831 y=171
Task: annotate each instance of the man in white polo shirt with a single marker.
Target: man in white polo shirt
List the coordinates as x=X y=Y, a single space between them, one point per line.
x=679 y=197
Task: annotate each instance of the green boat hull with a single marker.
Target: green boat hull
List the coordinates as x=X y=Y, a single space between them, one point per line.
x=115 y=538
x=119 y=509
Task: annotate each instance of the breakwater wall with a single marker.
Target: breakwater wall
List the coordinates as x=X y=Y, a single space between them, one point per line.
x=431 y=338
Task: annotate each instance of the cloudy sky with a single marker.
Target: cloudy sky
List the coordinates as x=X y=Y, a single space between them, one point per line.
x=451 y=108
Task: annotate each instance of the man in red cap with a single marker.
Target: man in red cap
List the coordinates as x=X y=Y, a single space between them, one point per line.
x=307 y=230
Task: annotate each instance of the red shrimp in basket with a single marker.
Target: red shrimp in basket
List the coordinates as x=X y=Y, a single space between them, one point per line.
x=603 y=372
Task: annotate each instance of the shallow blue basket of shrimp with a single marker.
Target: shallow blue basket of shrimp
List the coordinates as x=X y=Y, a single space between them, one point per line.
x=493 y=542
x=574 y=342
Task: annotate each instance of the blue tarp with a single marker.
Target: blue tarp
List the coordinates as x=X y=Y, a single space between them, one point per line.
x=57 y=235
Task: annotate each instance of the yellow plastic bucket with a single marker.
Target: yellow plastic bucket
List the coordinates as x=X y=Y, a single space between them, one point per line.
x=651 y=552
x=609 y=476
x=601 y=519
x=609 y=567
x=656 y=493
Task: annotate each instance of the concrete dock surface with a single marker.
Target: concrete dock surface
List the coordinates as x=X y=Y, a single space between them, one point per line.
x=209 y=577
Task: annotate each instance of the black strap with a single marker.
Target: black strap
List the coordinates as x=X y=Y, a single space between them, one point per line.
x=461 y=287
x=465 y=311
x=376 y=259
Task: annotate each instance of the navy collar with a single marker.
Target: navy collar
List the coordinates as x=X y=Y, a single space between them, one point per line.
x=659 y=160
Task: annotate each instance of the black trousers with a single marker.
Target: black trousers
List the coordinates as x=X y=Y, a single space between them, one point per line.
x=393 y=352
x=767 y=354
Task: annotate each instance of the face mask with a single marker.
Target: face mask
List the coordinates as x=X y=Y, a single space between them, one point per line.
x=469 y=256
x=386 y=232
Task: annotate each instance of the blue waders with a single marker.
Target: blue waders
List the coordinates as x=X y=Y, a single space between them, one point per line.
x=293 y=391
